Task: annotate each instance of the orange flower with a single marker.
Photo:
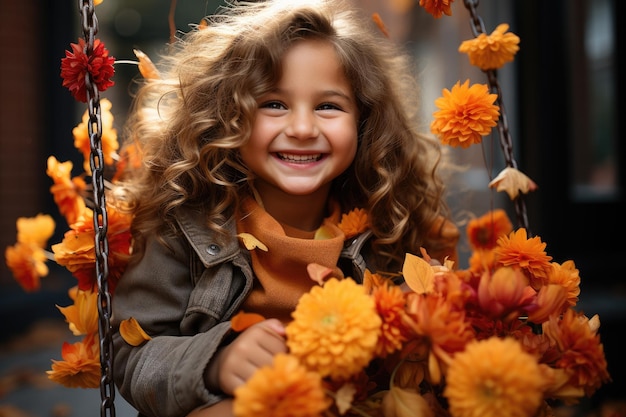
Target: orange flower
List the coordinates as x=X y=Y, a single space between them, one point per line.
x=484 y=231
x=494 y=377
x=527 y=253
x=77 y=64
x=66 y=191
x=77 y=252
x=581 y=353
x=390 y=306
x=83 y=315
x=353 y=223
x=566 y=275
x=437 y=8
x=551 y=300
x=36 y=230
x=80 y=367
x=431 y=316
x=285 y=389
x=465 y=114
x=335 y=329
x=110 y=144
x=504 y=293
x=490 y=52
x=27 y=262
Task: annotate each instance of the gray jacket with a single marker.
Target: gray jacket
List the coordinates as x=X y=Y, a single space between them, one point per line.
x=183 y=295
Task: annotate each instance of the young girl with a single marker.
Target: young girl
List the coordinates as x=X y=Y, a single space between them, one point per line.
x=272 y=122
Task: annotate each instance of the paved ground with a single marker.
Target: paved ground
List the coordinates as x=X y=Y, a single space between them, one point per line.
x=26 y=392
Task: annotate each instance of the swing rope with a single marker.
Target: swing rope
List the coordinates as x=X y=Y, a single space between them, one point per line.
x=100 y=221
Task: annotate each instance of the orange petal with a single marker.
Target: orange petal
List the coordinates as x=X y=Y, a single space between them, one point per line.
x=242 y=320
x=147 y=69
x=381 y=25
x=132 y=333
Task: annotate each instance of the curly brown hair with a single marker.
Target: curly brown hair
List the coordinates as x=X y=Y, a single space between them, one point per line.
x=190 y=123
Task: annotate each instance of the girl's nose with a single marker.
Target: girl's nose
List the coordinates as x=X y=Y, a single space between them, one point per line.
x=302 y=125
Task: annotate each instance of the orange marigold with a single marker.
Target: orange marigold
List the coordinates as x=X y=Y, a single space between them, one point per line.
x=490 y=52
x=465 y=114
x=437 y=8
x=390 y=303
x=335 y=329
x=566 y=275
x=581 y=353
x=80 y=367
x=527 y=253
x=285 y=389
x=354 y=222
x=494 y=377
x=483 y=232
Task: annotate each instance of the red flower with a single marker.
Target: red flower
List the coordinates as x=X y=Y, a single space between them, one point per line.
x=77 y=64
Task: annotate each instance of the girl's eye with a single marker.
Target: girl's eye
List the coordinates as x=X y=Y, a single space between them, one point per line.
x=328 y=106
x=272 y=105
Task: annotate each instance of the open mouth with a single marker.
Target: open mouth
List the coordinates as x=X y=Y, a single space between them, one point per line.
x=299 y=159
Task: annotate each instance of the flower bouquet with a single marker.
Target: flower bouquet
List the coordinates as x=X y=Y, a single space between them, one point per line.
x=501 y=337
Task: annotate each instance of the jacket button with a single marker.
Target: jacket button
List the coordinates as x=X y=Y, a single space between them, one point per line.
x=213 y=249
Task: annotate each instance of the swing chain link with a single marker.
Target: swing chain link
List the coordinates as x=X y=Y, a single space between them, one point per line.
x=100 y=221
x=506 y=142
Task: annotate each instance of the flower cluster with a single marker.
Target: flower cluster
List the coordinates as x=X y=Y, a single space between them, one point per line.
x=499 y=338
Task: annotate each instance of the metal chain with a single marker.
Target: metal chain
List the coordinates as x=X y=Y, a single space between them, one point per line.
x=506 y=142
x=100 y=221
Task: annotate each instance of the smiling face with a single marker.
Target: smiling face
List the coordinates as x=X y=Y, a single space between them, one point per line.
x=305 y=131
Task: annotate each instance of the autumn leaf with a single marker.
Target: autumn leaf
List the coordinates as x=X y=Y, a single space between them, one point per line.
x=418 y=274
x=513 y=182
x=251 y=242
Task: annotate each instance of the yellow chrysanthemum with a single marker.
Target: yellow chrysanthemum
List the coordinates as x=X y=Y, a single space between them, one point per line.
x=494 y=377
x=286 y=389
x=490 y=52
x=335 y=329
x=465 y=114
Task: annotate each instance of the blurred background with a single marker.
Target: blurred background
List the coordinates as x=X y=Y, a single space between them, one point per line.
x=560 y=94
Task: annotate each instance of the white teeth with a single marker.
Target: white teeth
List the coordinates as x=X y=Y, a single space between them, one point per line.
x=299 y=158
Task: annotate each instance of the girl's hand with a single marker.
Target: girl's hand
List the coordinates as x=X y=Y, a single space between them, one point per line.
x=253 y=348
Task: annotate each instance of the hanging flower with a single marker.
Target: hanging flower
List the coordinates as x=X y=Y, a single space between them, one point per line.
x=83 y=315
x=465 y=114
x=80 y=367
x=66 y=191
x=27 y=262
x=285 y=389
x=494 y=377
x=76 y=65
x=490 y=52
x=335 y=329
x=36 y=230
x=484 y=231
x=110 y=144
x=437 y=8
